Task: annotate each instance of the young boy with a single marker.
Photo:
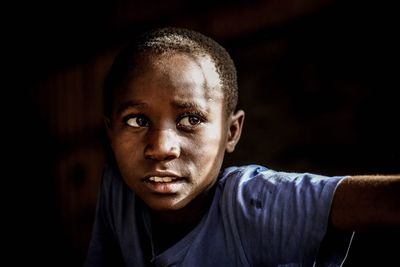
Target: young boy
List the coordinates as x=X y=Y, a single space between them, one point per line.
x=171 y=115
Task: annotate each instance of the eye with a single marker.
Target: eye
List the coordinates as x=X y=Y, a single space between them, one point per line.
x=189 y=120
x=137 y=121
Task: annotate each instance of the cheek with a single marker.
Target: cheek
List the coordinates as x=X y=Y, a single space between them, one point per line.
x=125 y=147
x=208 y=148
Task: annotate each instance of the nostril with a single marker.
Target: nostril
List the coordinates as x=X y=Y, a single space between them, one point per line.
x=162 y=145
x=162 y=155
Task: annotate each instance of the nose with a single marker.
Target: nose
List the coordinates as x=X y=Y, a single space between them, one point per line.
x=162 y=144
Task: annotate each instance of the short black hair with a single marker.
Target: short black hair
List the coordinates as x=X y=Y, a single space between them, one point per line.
x=171 y=39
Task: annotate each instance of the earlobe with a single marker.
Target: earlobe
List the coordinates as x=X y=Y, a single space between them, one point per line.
x=235 y=130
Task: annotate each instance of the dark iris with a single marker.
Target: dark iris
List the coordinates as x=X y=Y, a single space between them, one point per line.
x=141 y=121
x=193 y=120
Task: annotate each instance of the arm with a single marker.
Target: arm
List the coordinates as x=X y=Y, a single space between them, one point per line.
x=366 y=201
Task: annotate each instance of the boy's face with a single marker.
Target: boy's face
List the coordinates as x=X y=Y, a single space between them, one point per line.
x=169 y=130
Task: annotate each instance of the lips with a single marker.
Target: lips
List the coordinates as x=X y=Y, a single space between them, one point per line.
x=162 y=176
x=164 y=183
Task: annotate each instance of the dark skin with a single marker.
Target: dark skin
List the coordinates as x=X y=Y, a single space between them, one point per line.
x=367 y=201
x=169 y=131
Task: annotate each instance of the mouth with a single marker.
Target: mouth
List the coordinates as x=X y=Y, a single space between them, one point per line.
x=162 y=179
x=165 y=184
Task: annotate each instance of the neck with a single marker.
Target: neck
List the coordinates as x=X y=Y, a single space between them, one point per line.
x=170 y=227
x=191 y=214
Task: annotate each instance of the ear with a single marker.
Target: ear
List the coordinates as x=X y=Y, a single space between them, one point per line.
x=235 y=130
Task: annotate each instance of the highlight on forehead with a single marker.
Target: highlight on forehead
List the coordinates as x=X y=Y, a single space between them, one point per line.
x=201 y=69
x=207 y=73
x=211 y=75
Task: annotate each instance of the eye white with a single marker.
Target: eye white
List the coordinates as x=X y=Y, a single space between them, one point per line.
x=185 y=121
x=133 y=122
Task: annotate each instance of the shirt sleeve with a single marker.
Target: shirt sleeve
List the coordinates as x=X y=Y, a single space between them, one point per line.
x=103 y=247
x=281 y=218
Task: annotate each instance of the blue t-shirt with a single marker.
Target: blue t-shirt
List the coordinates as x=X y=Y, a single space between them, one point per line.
x=258 y=217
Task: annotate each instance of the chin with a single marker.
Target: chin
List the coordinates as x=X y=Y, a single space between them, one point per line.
x=166 y=205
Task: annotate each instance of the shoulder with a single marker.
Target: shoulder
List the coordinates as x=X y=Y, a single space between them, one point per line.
x=259 y=189
x=256 y=201
x=255 y=177
x=111 y=177
x=112 y=187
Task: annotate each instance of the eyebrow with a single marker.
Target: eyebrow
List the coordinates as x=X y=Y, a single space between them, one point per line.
x=187 y=105
x=176 y=104
x=130 y=104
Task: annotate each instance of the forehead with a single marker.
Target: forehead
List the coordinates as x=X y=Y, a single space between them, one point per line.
x=180 y=74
